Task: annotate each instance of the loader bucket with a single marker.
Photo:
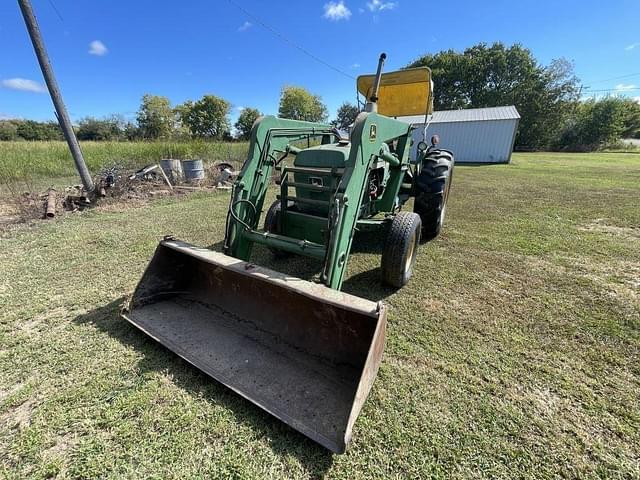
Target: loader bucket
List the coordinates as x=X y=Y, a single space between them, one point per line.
x=301 y=351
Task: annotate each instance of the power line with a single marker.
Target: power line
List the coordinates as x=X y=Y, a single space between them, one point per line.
x=290 y=42
x=616 y=78
x=56 y=10
x=619 y=90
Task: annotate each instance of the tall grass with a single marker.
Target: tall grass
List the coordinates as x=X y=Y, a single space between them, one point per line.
x=20 y=160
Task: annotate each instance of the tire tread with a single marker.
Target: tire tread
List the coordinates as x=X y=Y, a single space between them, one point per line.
x=432 y=187
x=396 y=247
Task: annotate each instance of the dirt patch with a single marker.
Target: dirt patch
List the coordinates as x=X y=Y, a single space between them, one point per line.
x=18 y=417
x=619 y=278
x=63 y=444
x=6 y=393
x=138 y=199
x=546 y=402
x=18 y=208
x=40 y=321
x=8 y=211
x=543 y=401
x=433 y=305
x=117 y=189
x=600 y=226
x=122 y=205
x=411 y=363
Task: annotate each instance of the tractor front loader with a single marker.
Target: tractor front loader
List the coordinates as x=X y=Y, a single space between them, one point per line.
x=305 y=352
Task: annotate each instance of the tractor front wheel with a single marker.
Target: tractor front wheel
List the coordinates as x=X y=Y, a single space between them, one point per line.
x=272 y=225
x=432 y=191
x=401 y=249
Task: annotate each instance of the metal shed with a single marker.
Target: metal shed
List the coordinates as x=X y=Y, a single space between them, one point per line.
x=477 y=135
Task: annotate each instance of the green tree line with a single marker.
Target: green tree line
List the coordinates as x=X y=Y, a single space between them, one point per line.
x=548 y=97
x=158 y=119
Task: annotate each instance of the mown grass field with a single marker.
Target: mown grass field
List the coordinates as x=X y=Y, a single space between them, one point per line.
x=35 y=161
x=514 y=352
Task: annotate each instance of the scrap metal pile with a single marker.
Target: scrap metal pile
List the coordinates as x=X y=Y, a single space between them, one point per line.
x=118 y=183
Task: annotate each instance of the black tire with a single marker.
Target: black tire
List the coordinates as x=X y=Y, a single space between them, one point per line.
x=400 y=249
x=271 y=222
x=432 y=191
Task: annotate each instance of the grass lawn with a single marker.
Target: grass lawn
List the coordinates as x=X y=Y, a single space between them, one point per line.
x=513 y=352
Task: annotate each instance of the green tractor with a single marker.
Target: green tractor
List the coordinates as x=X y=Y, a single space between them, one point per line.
x=339 y=185
x=305 y=352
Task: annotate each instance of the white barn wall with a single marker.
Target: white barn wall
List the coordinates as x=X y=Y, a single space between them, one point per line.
x=475 y=142
x=482 y=135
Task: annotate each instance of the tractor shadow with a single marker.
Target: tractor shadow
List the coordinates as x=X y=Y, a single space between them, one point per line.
x=282 y=439
x=367 y=284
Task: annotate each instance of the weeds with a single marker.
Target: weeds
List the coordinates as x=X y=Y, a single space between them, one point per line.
x=20 y=160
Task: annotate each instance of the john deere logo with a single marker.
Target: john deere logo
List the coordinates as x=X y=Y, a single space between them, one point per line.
x=373 y=132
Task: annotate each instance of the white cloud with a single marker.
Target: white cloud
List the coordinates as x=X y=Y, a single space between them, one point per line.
x=637 y=99
x=245 y=26
x=240 y=108
x=379 y=5
x=628 y=48
x=336 y=11
x=98 y=48
x=355 y=65
x=625 y=88
x=23 y=85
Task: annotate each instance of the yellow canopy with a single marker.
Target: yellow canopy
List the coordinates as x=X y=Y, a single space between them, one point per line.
x=405 y=92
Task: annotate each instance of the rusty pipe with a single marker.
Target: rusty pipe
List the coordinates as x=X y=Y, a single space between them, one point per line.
x=51 y=203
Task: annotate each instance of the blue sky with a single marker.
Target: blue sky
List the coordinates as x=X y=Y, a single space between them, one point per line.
x=108 y=53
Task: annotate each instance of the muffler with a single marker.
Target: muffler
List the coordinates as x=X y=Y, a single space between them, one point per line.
x=303 y=352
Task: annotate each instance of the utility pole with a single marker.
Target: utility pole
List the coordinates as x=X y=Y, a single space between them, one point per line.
x=54 y=91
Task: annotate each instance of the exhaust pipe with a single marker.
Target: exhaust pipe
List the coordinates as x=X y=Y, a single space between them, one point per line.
x=372 y=103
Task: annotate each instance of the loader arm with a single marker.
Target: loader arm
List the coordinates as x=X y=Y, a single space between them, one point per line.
x=369 y=138
x=270 y=137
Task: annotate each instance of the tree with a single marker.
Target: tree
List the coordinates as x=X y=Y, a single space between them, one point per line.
x=130 y=131
x=8 y=130
x=597 y=123
x=111 y=128
x=32 y=130
x=206 y=118
x=298 y=103
x=346 y=115
x=245 y=122
x=631 y=118
x=156 y=118
x=490 y=76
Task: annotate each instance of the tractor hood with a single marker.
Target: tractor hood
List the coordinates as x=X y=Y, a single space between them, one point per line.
x=332 y=155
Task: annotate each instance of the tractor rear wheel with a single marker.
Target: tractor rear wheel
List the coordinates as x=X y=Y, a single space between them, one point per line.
x=272 y=225
x=401 y=249
x=432 y=191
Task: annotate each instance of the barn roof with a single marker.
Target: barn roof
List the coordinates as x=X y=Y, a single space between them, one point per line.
x=468 y=115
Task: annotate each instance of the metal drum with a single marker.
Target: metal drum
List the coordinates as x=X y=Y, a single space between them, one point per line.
x=172 y=169
x=193 y=170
